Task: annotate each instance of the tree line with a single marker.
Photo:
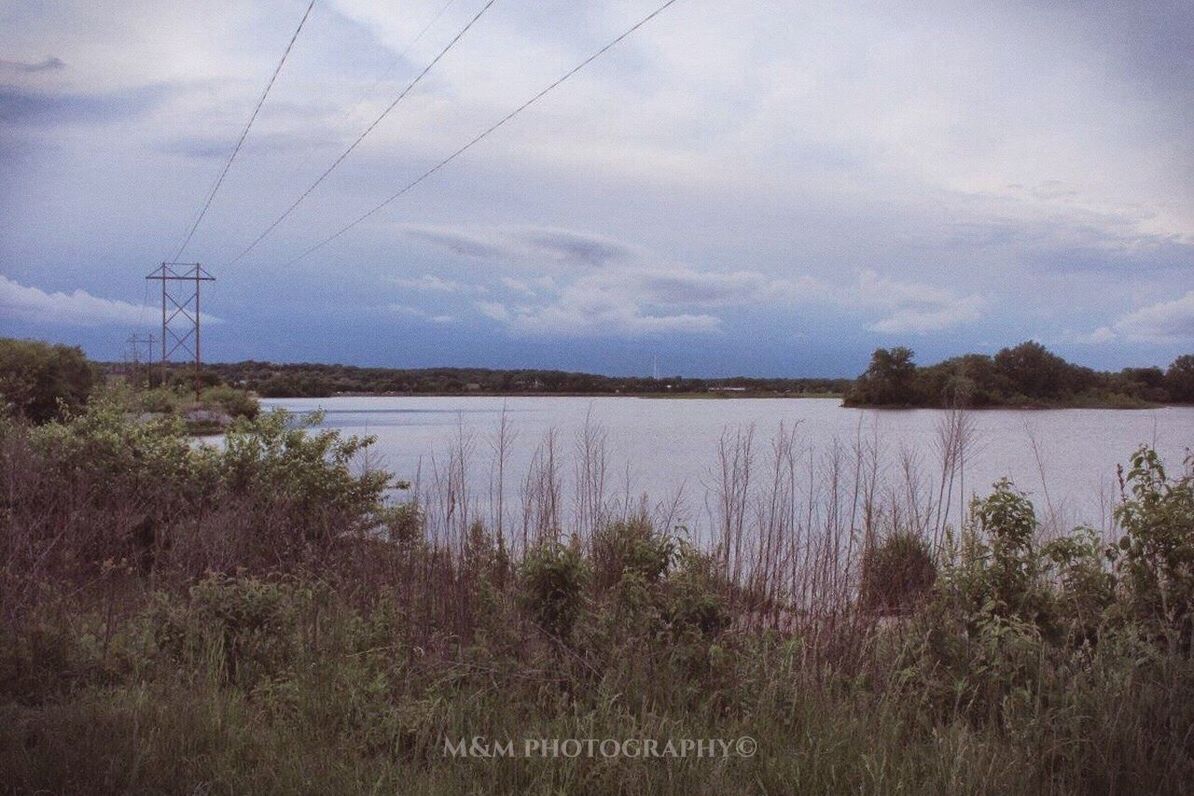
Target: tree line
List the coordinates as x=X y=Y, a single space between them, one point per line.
x=310 y=380
x=1024 y=375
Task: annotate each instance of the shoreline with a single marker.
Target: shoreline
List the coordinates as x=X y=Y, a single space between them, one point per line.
x=1031 y=407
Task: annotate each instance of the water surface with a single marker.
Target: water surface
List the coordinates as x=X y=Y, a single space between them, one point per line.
x=1065 y=458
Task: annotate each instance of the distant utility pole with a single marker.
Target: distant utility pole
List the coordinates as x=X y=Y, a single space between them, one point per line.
x=180 y=310
x=135 y=342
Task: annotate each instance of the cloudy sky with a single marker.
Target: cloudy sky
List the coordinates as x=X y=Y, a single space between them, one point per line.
x=765 y=187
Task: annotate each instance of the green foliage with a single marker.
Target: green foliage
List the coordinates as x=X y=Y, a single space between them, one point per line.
x=249 y=618
x=1007 y=521
x=897 y=573
x=243 y=627
x=1085 y=589
x=274 y=464
x=697 y=591
x=1155 y=556
x=1023 y=375
x=277 y=380
x=1179 y=379
x=102 y=487
x=630 y=546
x=552 y=578
x=889 y=380
x=236 y=403
x=39 y=381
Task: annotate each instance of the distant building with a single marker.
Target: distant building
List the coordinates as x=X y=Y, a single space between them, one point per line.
x=472 y=387
x=727 y=389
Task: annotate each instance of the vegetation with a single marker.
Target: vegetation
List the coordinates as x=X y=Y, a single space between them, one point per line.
x=316 y=381
x=40 y=382
x=257 y=617
x=897 y=574
x=1024 y=375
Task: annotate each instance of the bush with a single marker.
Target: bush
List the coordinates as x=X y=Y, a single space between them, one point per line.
x=998 y=569
x=236 y=403
x=896 y=573
x=40 y=381
x=1154 y=558
x=244 y=626
x=630 y=546
x=552 y=579
x=697 y=593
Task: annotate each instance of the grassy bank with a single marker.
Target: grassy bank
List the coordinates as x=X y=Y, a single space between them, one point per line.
x=257 y=619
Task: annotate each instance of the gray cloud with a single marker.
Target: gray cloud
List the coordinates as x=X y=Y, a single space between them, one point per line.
x=529 y=245
x=218 y=147
x=23 y=107
x=973 y=156
x=51 y=63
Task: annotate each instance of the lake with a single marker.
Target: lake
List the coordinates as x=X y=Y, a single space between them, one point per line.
x=1065 y=459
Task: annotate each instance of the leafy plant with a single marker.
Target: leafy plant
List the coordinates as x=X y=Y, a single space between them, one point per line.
x=1155 y=555
x=551 y=579
x=897 y=573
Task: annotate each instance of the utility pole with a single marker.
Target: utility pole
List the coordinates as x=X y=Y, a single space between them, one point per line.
x=134 y=343
x=180 y=308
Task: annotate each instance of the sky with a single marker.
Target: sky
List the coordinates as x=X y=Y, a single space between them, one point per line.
x=761 y=188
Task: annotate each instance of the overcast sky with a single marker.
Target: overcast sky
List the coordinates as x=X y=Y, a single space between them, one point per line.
x=740 y=187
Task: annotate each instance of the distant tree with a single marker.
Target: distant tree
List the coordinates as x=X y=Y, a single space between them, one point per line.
x=38 y=380
x=968 y=380
x=1033 y=371
x=1179 y=379
x=889 y=380
x=1146 y=384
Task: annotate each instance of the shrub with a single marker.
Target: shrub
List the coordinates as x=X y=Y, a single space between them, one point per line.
x=1085 y=589
x=236 y=403
x=697 y=592
x=997 y=568
x=552 y=580
x=38 y=380
x=623 y=547
x=244 y=627
x=1155 y=556
x=896 y=573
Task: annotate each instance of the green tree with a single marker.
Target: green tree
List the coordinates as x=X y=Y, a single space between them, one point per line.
x=890 y=379
x=1035 y=372
x=39 y=380
x=1179 y=379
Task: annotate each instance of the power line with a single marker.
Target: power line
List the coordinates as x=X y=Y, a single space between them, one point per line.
x=244 y=134
x=485 y=132
x=366 y=132
x=398 y=58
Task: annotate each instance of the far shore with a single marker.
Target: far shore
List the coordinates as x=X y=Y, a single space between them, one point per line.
x=718 y=396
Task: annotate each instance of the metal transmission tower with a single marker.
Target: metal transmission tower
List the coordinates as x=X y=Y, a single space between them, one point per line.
x=180 y=308
x=136 y=344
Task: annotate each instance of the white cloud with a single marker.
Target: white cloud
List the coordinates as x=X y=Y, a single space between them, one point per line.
x=407 y=311
x=494 y=310
x=435 y=284
x=913 y=308
x=78 y=308
x=1103 y=334
x=1166 y=321
x=629 y=300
